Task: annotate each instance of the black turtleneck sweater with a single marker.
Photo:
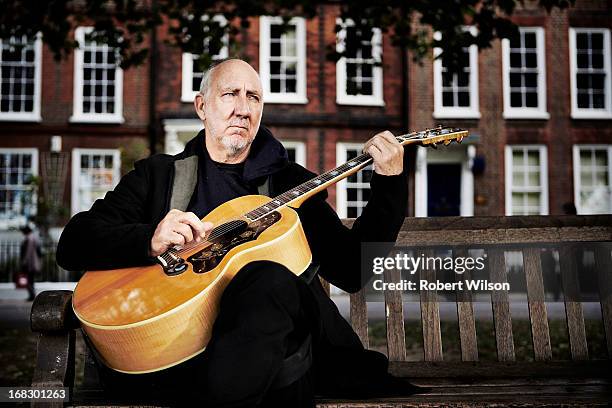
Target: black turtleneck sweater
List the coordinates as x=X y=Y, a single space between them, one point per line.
x=221 y=182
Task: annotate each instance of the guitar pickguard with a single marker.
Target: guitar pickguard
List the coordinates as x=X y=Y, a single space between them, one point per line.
x=209 y=257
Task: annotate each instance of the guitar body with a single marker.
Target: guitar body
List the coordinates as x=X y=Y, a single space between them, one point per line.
x=142 y=319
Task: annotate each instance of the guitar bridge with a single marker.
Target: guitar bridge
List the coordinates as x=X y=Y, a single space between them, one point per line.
x=172 y=263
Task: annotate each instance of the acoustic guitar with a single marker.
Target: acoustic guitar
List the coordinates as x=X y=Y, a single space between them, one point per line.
x=145 y=319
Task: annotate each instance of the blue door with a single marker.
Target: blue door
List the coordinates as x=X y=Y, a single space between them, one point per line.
x=443 y=189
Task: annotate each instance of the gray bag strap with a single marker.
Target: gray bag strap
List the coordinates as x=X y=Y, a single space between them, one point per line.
x=264 y=188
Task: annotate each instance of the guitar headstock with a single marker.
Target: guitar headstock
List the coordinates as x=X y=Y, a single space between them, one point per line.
x=433 y=137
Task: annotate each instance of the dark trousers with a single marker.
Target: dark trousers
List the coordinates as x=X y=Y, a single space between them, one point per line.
x=266 y=312
x=31 y=292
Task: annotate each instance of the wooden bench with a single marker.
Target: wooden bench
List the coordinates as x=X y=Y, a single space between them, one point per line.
x=543 y=381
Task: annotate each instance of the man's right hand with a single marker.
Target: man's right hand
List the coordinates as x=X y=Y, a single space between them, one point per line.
x=178 y=228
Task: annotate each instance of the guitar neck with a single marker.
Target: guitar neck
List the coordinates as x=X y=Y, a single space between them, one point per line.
x=297 y=195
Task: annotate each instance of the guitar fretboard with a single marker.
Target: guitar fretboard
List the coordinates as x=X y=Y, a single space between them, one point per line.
x=304 y=188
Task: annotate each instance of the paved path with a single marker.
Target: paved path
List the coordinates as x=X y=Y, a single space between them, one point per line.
x=15 y=310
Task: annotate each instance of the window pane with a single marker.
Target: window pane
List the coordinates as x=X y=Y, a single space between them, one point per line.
x=516 y=100
x=533 y=158
x=447 y=99
x=534 y=179
x=518 y=158
x=601 y=158
x=515 y=59
x=531 y=100
x=530 y=40
x=464 y=98
x=531 y=80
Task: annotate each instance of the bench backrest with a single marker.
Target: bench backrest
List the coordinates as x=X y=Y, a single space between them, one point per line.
x=497 y=235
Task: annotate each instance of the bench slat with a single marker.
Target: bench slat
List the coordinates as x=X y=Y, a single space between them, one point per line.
x=394 y=316
x=501 y=306
x=465 y=315
x=603 y=264
x=430 y=314
x=540 y=333
x=502 y=369
x=504 y=236
x=359 y=316
x=568 y=262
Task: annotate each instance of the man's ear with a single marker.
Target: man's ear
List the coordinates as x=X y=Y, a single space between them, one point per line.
x=199 y=105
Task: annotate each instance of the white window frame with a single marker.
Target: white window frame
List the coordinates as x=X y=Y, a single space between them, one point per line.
x=543 y=189
x=445 y=112
x=299 y=97
x=342 y=98
x=300 y=150
x=35 y=115
x=526 y=112
x=76 y=171
x=172 y=128
x=187 y=93
x=586 y=113
x=341 y=194
x=21 y=220
x=78 y=115
x=577 y=181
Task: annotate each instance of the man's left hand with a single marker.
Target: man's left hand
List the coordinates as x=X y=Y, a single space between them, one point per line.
x=387 y=152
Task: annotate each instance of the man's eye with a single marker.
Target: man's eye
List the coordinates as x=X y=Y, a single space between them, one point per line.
x=228 y=93
x=254 y=98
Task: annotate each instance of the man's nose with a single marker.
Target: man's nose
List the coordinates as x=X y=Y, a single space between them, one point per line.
x=242 y=106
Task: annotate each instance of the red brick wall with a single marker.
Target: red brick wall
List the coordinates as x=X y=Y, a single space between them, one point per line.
x=558 y=133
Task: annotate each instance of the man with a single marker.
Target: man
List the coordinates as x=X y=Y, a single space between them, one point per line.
x=269 y=319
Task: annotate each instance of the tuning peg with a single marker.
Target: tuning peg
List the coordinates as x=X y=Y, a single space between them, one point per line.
x=447 y=142
x=459 y=139
x=434 y=145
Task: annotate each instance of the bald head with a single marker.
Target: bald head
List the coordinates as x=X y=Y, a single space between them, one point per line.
x=229 y=64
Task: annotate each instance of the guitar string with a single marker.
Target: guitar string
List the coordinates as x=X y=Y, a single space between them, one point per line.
x=286 y=195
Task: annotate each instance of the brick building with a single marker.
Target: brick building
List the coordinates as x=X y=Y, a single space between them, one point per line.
x=539 y=108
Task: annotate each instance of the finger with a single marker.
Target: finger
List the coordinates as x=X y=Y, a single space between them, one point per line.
x=376 y=154
x=174 y=238
x=395 y=148
x=390 y=137
x=194 y=222
x=385 y=147
x=184 y=230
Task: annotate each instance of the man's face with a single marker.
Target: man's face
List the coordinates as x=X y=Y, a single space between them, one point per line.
x=232 y=108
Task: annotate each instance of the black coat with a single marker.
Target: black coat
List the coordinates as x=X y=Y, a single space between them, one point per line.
x=117 y=230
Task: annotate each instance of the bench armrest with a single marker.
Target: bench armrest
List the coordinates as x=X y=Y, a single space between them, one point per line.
x=52 y=312
x=53 y=318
